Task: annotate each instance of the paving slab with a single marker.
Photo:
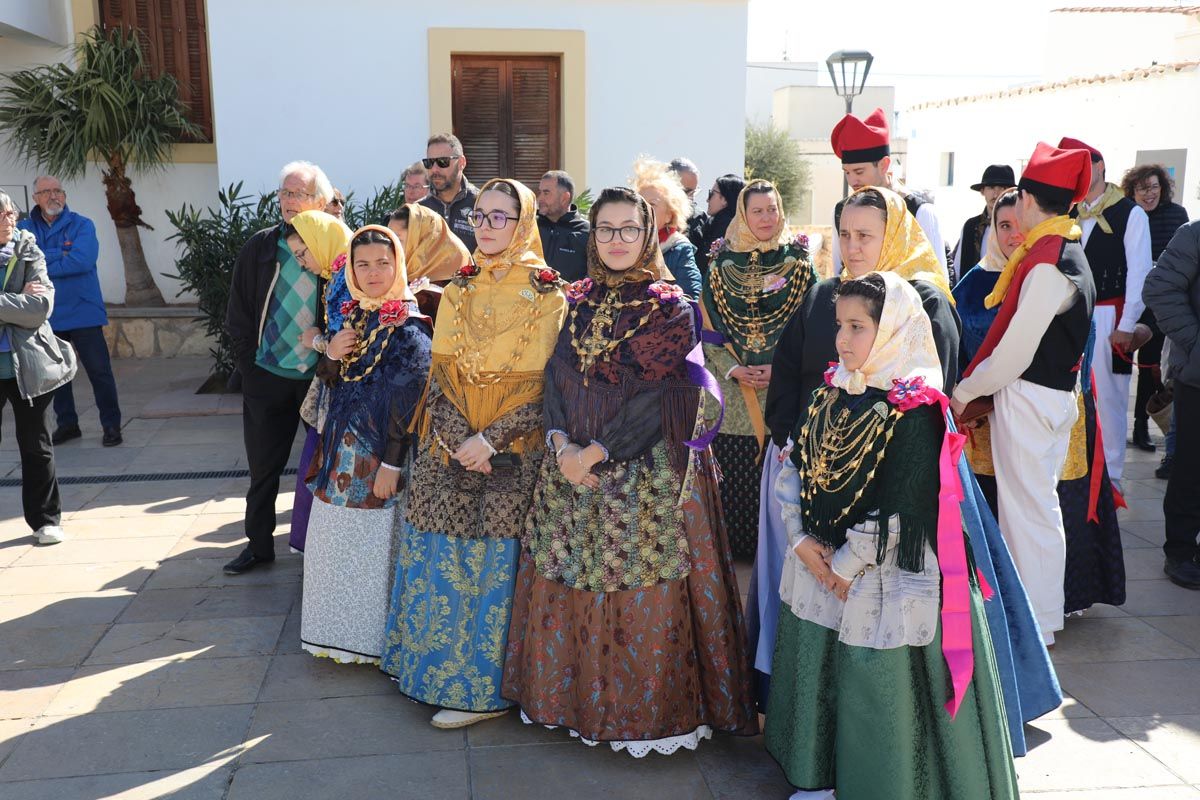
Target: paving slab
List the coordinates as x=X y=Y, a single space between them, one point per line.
x=1134 y=688
x=58 y=610
x=1159 y=598
x=198 y=783
x=152 y=605
x=201 y=638
x=60 y=579
x=187 y=572
x=170 y=526
x=26 y=693
x=1148 y=793
x=424 y=776
x=1086 y=754
x=305 y=677
x=25 y=648
x=1172 y=739
x=737 y=767
x=98 y=551
x=1184 y=629
x=1085 y=641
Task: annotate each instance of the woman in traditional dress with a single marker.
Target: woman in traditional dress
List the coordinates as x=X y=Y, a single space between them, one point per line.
x=377 y=366
x=884 y=681
x=318 y=241
x=655 y=181
x=481 y=445
x=757 y=279
x=627 y=627
x=1095 y=564
x=884 y=237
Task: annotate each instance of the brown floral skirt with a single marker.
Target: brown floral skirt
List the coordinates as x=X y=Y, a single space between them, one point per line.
x=636 y=664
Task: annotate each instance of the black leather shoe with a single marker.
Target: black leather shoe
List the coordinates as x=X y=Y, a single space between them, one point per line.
x=61 y=435
x=112 y=437
x=1141 y=436
x=246 y=562
x=1164 y=468
x=1183 y=573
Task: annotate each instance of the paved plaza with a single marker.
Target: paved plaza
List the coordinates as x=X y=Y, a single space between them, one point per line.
x=131 y=667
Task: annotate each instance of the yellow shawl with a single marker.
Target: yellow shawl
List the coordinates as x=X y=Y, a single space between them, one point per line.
x=906 y=250
x=431 y=248
x=1112 y=195
x=739 y=238
x=493 y=336
x=325 y=236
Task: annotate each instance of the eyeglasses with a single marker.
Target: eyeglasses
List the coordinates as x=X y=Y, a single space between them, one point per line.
x=629 y=234
x=52 y=192
x=690 y=193
x=712 y=193
x=416 y=187
x=1147 y=189
x=441 y=161
x=288 y=194
x=337 y=201
x=8 y=214
x=495 y=219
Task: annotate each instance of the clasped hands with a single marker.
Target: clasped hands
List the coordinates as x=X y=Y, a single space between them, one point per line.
x=754 y=377
x=475 y=453
x=575 y=462
x=818 y=559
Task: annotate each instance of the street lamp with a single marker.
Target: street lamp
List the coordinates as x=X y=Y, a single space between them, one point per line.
x=849 y=69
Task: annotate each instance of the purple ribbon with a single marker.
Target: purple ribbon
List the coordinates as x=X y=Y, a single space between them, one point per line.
x=712 y=337
x=699 y=376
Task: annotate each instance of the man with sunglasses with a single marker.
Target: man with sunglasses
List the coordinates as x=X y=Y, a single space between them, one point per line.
x=451 y=194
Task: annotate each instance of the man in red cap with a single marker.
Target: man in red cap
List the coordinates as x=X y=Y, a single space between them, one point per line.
x=864 y=146
x=1116 y=238
x=1028 y=364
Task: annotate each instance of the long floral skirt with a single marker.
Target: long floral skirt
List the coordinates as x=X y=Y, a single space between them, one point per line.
x=741 y=472
x=449 y=617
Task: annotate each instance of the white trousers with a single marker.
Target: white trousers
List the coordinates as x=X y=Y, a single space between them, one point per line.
x=1031 y=429
x=1112 y=393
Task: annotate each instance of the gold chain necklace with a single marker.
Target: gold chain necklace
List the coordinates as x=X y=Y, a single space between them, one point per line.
x=842 y=436
x=361 y=346
x=727 y=278
x=471 y=364
x=597 y=343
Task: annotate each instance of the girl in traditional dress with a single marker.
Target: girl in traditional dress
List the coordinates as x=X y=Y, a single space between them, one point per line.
x=756 y=280
x=884 y=681
x=377 y=366
x=481 y=444
x=627 y=627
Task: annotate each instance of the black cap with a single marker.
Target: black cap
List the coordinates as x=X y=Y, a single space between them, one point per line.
x=996 y=175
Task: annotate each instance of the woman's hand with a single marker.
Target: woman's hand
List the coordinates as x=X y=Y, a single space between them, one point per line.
x=576 y=464
x=475 y=454
x=307 y=337
x=754 y=377
x=341 y=344
x=387 y=481
x=35 y=288
x=838 y=585
x=814 y=556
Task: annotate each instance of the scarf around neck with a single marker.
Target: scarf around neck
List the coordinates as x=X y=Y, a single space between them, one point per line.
x=1112 y=195
x=1061 y=225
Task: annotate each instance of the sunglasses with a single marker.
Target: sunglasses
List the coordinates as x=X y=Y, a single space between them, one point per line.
x=441 y=161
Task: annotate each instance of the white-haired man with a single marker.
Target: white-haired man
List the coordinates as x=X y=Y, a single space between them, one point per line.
x=273 y=300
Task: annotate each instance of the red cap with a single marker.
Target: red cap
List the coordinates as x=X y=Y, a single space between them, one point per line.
x=1057 y=174
x=1067 y=143
x=856 y=141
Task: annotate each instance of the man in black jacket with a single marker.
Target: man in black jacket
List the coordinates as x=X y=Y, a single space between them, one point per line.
x=1172 y=291
x=450 y=193
x=273 y=303
x=563 y=229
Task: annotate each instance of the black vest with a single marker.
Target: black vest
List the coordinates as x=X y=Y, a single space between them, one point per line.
x=1106 y=252
x=971 y=243
x=911 y=201
x=1057 y=358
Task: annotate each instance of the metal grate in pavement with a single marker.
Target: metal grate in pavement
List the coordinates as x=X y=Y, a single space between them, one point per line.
x=138 y=477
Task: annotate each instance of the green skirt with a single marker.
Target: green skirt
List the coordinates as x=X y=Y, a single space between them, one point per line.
x=872 y=723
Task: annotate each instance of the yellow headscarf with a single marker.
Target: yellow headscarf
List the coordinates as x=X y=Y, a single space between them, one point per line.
x=525 y=249
x=397 y=291
x=906 y=250
x=738 y=236
x=325 y=236
x=904 y=346
x=431 y=249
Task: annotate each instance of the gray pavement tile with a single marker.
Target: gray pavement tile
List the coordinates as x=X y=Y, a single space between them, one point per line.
x=1144 y=564
x=1141 y=510
x=198 y=783
x=126 y=741
x=180 y=572
x=1148 y=793
x=584 y=773
x=1173 y=740
x=25 y=648
x=222 y=545
x=289 y=637
x=1070 y=709
x=346 y=726
x=1098 y=611
x=11 y=731
x=1085 y=754
x=74 y=578
x=1086 y=641
x=1159 y=598
x=202 y=638
x=58 y=610
x=99 y=551
x=509 y=730
x=161 y=684
x=1134 y=688
x=149 y=526
x=739 y=767
x=1183 y=629
x=425 y=776
x=153 y=605
x=27 y=692
x=305 y=677
x=1131 y=541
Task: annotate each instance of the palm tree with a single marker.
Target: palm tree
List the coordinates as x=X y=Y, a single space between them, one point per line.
x=107 y=107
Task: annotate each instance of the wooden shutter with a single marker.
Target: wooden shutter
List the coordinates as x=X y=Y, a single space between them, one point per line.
x=506 y=112
x=175 y=40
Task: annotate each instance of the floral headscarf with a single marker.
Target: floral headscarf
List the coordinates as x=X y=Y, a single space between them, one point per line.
x=525 y=249
x=431 y=250
x=325 y=236
x=739 y=238
x=906 y=250
x=397 y=291
x=649 y=264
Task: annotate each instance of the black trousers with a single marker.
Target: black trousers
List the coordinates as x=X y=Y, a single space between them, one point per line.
x=270 y=417
x=1148 y=379
x=39 y=483
x=1181 y=506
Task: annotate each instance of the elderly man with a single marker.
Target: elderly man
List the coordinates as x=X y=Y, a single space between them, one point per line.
x=337 y=204
x=451 y=195
x=415 y=180
x=689 y=176
x=563 y=229
x=69 y=242
x=273 y=300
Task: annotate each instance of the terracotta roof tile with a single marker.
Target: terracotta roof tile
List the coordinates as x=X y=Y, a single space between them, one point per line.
x=1186 y=10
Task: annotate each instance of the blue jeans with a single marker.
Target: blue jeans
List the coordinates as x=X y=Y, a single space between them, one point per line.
x=92 y=350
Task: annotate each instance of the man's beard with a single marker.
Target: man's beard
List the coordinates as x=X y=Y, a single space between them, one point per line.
x=447 y=182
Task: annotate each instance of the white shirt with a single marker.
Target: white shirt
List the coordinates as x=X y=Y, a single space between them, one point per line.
x=1137 y=259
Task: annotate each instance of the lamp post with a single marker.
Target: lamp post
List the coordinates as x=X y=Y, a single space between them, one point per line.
x=849 y=69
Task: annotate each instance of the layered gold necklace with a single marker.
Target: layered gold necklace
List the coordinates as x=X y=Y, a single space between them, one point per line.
x=361 y=345
x=847 y=444
x=486 y=327
x=597 y=342
x=748 y=284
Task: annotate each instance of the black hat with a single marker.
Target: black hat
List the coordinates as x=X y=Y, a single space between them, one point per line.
x=996 y=175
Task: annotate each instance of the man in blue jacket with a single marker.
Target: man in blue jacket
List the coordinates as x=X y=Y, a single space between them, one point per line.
x=69 y=243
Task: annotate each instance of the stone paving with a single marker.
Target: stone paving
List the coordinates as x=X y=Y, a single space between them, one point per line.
x=131 y=667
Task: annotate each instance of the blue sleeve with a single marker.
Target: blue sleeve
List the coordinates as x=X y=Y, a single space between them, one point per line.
x=77 y=258
x=686 y=273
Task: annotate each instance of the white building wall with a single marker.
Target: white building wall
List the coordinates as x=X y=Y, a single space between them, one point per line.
x=170 y=189
x=1118 y=117
x=351 y=96
x=1102 y=43
x=763 y=78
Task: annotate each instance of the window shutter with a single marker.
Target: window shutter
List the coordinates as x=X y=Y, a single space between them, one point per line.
x=479 y=89
x=534 y=92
